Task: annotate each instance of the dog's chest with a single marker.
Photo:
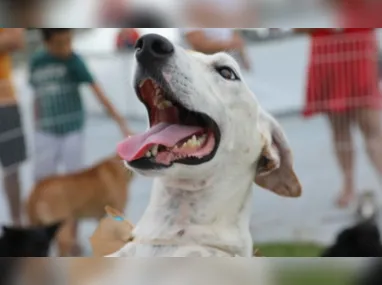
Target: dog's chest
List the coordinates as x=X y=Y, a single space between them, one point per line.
x=151 y=250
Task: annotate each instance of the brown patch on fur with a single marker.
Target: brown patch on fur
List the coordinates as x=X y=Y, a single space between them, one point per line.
x=266 y=163
x=77 y=196
x=275 y=170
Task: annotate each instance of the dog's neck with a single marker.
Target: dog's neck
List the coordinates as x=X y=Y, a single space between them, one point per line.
x=217 y=214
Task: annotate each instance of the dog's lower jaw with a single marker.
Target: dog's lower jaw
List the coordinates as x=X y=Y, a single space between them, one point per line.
x=208 y=218
x=178 y=185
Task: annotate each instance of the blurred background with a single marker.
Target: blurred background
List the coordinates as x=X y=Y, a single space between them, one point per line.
x=172 y=13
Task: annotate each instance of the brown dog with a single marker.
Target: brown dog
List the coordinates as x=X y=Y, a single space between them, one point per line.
x=78 y=196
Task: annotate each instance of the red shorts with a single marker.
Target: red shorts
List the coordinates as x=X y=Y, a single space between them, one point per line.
x=342 y=71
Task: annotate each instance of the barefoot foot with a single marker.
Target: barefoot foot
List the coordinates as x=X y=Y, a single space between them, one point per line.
x=345 y=198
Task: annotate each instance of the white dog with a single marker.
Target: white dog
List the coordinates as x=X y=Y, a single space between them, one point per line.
x=208 y=141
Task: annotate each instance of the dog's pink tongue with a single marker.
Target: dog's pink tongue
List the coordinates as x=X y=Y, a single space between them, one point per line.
x=165 y=134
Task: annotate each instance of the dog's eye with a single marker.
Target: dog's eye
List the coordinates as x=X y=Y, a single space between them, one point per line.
x=227 y=73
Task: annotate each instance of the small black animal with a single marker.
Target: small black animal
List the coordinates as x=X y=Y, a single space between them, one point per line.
x=372 y=275
x=361 y=240
x=23 y=242
x=27 y=242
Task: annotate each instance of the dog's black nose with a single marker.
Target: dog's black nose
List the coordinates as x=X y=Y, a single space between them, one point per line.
x=153 y=47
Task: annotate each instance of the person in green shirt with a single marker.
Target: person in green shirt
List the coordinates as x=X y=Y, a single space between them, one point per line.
x=56 y=73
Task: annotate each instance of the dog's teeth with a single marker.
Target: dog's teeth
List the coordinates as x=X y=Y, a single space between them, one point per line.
x=161 y=106
x=193 y=142
x=157 y=101
x=187 y=144
x=148 y=154
x=142 y=83
x=164 y=104
x=202 y=139
x=154 y=150
x=167 y=103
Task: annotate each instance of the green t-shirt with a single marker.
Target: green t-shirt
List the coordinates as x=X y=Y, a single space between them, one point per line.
x=58 y=104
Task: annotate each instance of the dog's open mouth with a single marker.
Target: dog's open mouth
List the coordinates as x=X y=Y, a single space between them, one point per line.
x=176 y=134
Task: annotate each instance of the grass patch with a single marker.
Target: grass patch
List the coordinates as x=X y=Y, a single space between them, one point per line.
x=289 y=249
x=318 y=276
x=317 y=272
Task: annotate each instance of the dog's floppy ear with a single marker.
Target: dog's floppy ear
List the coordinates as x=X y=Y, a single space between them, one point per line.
x=274 y=169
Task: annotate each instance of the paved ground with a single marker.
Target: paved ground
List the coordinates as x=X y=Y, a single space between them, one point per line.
x=311 y=217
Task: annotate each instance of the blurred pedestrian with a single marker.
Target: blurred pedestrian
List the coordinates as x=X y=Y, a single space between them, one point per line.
x=22 y=13
x=213 y=40
x=127 y=38
x=220 y=13
x=122 y=13
x=12 y=143
x=113 y=11
x=343 y=85
x=56 y=74
x=360 y=14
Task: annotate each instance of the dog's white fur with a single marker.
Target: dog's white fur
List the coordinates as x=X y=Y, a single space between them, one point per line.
x=204 y=210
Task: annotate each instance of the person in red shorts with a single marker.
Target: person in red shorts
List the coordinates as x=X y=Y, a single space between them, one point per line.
x=355 y=13
x=343 y=85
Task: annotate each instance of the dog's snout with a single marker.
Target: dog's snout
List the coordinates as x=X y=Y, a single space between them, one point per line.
x=153 y=47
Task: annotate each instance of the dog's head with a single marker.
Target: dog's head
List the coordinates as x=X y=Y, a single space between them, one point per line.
x=204 y=121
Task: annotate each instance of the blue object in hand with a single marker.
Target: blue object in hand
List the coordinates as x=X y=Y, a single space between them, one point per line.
x=118 y=218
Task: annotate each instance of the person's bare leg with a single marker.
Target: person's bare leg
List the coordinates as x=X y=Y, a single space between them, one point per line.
x=369 y=122
x=13 y=194
x=343 y=145
x=67 y=239
x=77 y=249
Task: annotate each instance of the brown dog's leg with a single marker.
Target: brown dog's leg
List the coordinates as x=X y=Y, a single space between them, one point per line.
x=67 y=239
